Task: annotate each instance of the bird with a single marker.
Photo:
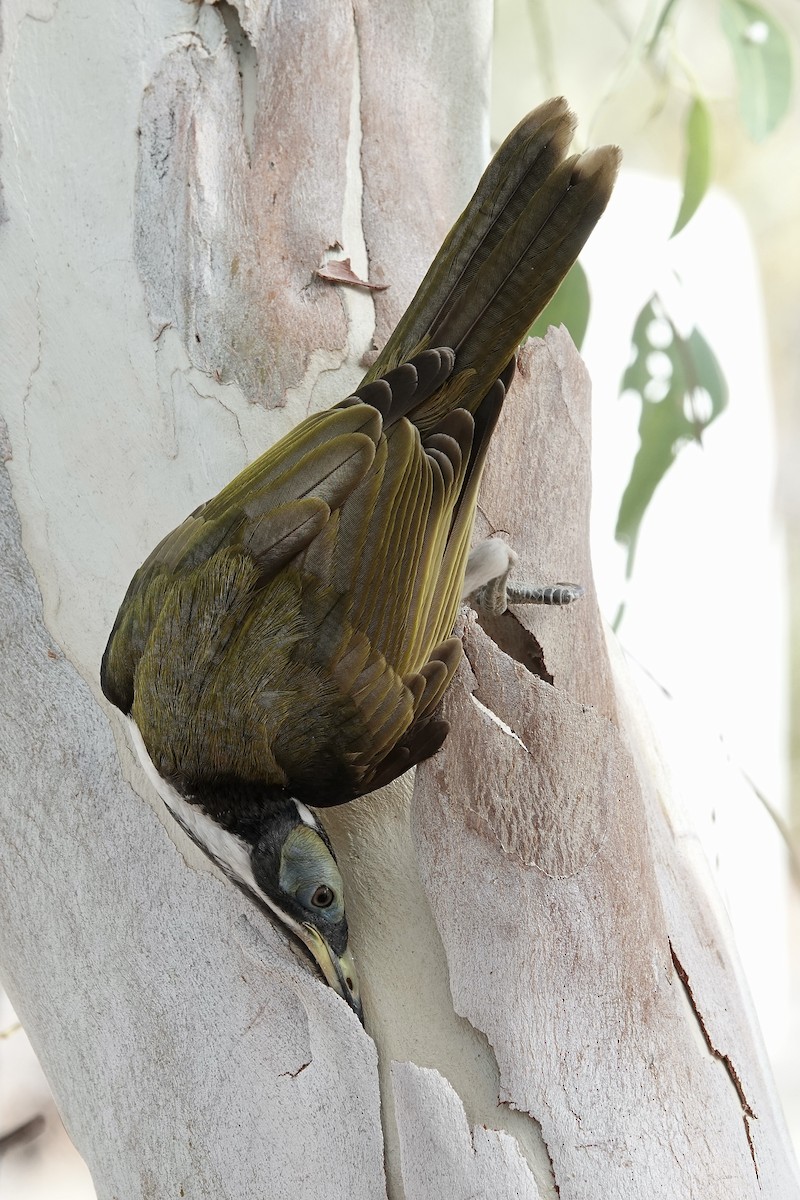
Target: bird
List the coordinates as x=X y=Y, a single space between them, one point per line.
x=286 y=647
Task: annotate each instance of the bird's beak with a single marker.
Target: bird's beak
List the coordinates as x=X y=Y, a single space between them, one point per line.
x=339 y=970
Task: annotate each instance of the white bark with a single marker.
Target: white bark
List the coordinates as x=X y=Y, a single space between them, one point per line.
x=551 y=996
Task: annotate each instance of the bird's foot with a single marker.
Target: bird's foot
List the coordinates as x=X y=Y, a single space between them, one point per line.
x=488 y=568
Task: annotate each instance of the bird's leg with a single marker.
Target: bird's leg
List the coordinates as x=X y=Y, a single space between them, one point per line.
x=489 y=565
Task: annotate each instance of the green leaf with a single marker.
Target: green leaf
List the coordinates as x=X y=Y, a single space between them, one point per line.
x=682 y=390
x=697 y=170
x=763 y=63
x=569 y=306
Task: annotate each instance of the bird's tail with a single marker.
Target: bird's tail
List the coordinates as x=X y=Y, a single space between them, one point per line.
x=528 y=220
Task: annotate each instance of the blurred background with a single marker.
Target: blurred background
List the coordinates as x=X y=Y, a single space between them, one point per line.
x=691 y=338
x=693 y=347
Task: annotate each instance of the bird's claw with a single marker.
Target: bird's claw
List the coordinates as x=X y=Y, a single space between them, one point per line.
x=495 y=594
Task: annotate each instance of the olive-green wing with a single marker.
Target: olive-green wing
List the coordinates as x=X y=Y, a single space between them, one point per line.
x=394 y=558
x=271 y=511
x=401 y=541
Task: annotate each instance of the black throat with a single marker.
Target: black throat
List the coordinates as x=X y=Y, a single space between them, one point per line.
x=238 y=805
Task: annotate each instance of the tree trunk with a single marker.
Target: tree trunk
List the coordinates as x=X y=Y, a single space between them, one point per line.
x=551 y=1001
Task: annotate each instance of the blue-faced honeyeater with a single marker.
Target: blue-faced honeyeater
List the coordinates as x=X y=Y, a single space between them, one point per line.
x=286 y=647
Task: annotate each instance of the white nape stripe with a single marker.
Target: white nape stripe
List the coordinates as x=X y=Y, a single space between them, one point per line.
x=229 y=852
x=306 y=815
x=498 y=721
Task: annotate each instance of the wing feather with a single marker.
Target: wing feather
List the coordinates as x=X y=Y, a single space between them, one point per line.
x=272 y=511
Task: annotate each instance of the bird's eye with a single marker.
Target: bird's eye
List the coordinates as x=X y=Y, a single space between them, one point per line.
x=323 y=896
x=310 y=877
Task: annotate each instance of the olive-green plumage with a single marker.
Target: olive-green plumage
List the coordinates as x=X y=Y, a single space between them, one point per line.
x=295 y=630
x=288 y=644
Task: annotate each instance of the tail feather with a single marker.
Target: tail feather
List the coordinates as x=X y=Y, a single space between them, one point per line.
x=522 y=164
x=521 y=232
x=486 y=323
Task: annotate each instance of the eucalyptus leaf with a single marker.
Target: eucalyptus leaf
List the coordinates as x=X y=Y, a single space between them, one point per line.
x=697 y=169
x=682 y=390
x=763 y=61
x=569 y=306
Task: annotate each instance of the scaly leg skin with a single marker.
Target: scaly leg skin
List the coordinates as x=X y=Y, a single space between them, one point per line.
x=486 y=581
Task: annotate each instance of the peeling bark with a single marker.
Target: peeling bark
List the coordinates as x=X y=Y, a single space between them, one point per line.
x=232 y=221
x=562 y=810
x=441 y=1155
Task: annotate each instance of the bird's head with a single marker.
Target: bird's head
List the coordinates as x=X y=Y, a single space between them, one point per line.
x=295 y=871
x=274 y=848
